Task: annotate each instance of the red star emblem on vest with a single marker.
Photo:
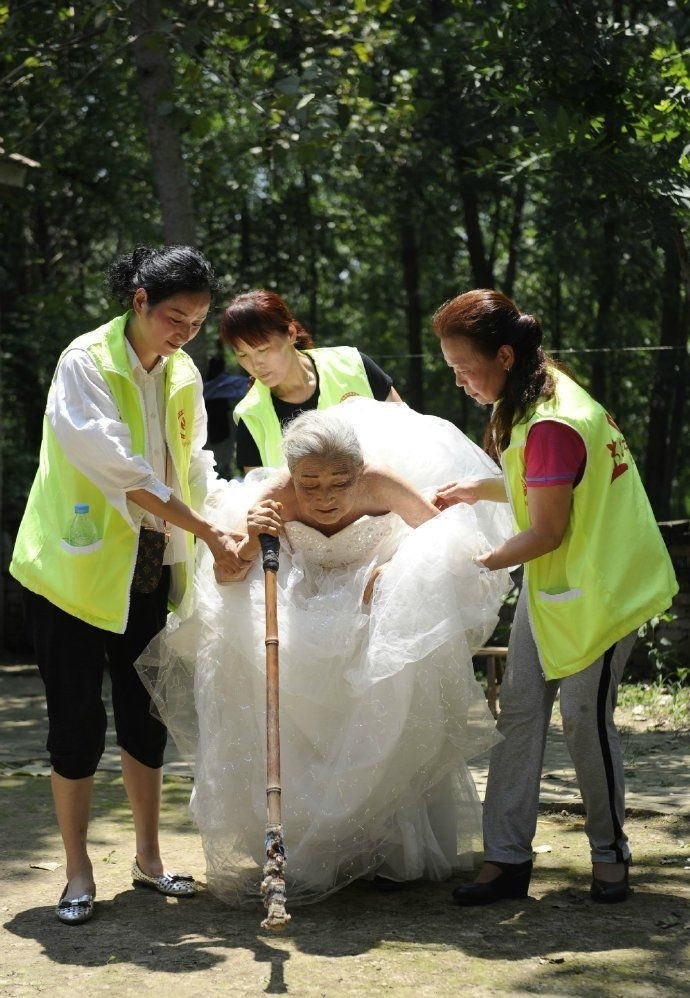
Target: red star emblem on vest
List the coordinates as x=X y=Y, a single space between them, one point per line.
x=618 y=450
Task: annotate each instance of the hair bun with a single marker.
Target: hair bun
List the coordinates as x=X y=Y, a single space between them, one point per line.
x=140 y=254
x=530 y=330
x=162 y=273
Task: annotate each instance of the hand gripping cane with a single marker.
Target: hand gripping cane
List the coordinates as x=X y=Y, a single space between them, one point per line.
x=273 y=884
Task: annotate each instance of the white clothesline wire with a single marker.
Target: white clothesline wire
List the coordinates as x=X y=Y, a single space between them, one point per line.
x=410 y=356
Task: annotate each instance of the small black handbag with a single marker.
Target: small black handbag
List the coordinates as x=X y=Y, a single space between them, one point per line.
x=148 y=567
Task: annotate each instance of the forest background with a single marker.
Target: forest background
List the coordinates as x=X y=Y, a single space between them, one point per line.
x=368 y=159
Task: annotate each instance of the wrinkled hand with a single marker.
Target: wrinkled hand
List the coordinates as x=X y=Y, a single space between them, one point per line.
x=369 y=588
x=452 y=493
x=264 y=518
x=223 y=545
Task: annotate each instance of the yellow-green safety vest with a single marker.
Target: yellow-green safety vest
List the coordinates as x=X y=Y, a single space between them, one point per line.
x=612 y=571
x=93 y=582
x=341 y=374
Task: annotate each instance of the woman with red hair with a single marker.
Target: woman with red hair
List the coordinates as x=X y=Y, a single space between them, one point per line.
x=290 y=375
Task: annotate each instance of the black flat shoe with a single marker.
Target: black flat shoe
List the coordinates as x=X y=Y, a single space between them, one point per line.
x=604 y=892
x=512 y=882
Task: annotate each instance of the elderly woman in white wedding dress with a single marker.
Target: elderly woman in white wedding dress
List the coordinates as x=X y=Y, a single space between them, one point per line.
x=380 y=607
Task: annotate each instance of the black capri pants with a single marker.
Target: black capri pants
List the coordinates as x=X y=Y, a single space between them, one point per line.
x=72 y=656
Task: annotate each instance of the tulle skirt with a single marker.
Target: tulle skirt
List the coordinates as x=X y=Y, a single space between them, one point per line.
x=379 y=707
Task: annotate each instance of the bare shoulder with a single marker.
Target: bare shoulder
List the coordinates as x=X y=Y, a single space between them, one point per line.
x=281 y=489
x=379 y=478
x=395 y=493
x=277 y=483
x=278 y=487
x=383 y=481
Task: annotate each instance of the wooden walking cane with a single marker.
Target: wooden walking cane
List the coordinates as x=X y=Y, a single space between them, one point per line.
x=273 y=884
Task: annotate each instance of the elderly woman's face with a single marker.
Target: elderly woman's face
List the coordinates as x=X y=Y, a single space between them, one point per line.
x=325 y=490
x=481 y=378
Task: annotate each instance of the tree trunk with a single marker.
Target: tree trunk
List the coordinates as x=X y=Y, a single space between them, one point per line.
x=514 y=238
x=482 y=272
x=410 y=261
x=667 y=399
x=606 y=292
x=496 y=225
x=556 y=312
x=312 y=252
x=155 y=86
x=245 y=262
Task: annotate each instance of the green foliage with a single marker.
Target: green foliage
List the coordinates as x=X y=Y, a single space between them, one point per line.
x=666 y=700
x=661 y=654
x=368 y=159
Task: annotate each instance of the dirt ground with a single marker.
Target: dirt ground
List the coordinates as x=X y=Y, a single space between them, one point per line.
x=556 y=942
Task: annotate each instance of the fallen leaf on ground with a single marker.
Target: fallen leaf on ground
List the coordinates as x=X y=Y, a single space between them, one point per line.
x=45 y=864
x=668 y=923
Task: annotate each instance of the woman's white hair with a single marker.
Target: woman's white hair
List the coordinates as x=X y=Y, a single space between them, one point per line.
x=321 y=434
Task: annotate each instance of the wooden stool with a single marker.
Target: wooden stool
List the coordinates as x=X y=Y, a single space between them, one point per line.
x=495 y=656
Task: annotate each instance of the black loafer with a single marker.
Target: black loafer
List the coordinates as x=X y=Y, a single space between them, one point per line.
x=512 y=882
x=604 y=892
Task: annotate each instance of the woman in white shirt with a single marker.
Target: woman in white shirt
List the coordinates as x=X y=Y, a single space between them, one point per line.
x=123 y=431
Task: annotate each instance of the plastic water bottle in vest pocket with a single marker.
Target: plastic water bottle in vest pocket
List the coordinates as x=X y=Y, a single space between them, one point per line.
x=82 y=531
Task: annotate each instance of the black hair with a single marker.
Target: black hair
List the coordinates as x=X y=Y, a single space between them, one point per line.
x=162 y=273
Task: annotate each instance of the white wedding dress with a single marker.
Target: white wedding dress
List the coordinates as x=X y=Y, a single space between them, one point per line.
x=379 y=707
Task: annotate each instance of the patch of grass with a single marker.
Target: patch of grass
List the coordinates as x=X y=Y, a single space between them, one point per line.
x=665 y=701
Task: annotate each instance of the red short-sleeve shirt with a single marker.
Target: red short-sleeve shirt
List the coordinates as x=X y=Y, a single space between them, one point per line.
x=555 y=454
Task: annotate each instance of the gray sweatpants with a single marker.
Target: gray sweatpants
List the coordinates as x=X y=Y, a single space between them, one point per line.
x=588 y=700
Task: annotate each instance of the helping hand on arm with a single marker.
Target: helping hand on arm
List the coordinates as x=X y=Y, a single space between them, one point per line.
x=467 y=491
x=549 y=513
x=223 y=544
x=263 y=518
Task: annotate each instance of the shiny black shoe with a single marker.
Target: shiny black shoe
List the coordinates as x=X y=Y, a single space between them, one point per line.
x=604 y=892
x=512 y=882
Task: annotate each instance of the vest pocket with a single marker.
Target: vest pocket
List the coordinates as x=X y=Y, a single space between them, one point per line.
x=84 y=549
x=563 y=597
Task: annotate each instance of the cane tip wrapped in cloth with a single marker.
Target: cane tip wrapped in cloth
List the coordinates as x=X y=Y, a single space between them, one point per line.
x=273 y=883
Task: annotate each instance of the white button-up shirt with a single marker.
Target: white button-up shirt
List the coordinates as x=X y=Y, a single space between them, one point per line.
x=94 y=437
